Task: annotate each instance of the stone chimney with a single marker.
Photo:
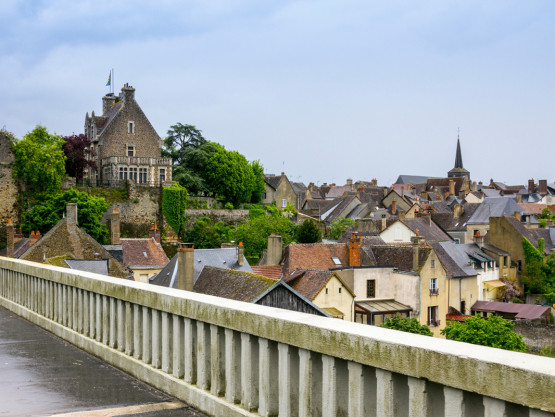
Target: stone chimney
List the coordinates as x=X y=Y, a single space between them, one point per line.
x=458 y=211
x=128 y=94
x=115 y=228
x=384 y=222
x=531 y=186
x=415 y=240
x=10 y=239
x=479 y=239
x=402 y=214
x=462 y=195
x=542 y=187
x=517 y=215
x=519 y=198
x=350 y=183
x=71 y=214
x=240 y=254
x=355 y=244
x=394 y=207
x=275 y=250
x=107 y=102
x=451 y=187
x=154 y=233
x=185 y=264
x=34 y=238
x=473 y=186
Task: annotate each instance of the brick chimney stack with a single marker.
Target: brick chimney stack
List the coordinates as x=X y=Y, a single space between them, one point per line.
x=34 y=238
x=394 y=207
x=542 y=187
x=355 y=244
x=415 y=240
x=531 y=186
x=240 y=254
x=115 y=228
x=154 y=233
x=10 y=239
x=185 y=266
x=71 y=214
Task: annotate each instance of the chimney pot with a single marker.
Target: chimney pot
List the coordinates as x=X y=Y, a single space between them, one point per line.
x=542 y=187
x=517 y=215
x=240 y=254
x=531 y=186
x=185 y=266
x=115 y=228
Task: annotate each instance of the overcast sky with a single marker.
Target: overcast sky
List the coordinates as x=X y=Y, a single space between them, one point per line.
x=326 y=90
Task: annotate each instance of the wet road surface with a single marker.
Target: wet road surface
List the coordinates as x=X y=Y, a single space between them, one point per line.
x=42 y=375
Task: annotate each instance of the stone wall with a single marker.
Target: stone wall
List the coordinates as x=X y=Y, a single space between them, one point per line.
x=8 y=186
x=227 y=216
x=536 y=334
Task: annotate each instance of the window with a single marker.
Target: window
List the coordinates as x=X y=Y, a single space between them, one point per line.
x=433 y=263
x=326 y=290
x=131 y=127
x=133 y=174
x=162 y=174
x=130 y=151
x=142 y=175
x=371 y=288
x=336 y=260
x=283 y=202
x=505 y=261
x=339 y=290
x=433 y=286
x=123 y=173
x=433 y=316
x=457 y=241
x=519 y=265
x=476 y=232
x=463 y=307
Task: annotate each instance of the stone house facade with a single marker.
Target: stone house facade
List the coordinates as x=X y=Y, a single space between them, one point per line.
x=8 y=187
x=126 y=145
x=278 y=189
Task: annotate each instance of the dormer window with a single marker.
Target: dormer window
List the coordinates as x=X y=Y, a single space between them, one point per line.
x=130 y=151
x=131 y=127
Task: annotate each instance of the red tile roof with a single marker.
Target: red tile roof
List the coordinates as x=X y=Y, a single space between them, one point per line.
x=270 y=271
x=316 y=256
x=309 y=283
x=457 y=317
x=143 y=253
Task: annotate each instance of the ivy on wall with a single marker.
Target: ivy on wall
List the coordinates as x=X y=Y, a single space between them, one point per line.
x=174 y=203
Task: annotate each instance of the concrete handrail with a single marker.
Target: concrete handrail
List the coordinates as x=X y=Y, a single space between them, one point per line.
x=233 y=358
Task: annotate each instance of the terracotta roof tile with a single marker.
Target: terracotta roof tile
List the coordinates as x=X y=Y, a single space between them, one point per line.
x=314 y=256
x=143 y=252
x=270 y=271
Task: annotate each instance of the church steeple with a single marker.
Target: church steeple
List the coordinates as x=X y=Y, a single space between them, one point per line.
x=458 y=170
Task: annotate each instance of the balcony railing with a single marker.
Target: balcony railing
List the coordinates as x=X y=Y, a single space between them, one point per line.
x=434 y=291
x=136 y=160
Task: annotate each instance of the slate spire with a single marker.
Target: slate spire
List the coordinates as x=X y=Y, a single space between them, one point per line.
x=458 y=158
x=458 y=170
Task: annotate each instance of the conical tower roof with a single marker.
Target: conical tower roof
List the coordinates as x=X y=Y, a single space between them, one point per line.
x=458 y=170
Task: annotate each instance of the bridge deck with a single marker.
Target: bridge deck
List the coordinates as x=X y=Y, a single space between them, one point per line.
x=42 y=375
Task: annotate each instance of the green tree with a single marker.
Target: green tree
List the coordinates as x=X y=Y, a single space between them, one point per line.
x=40 y=160
x=308 y=232
x=181 y=138
x=493 y=331
x=258 y=182
x=48 y=209
x=205 y=234
x=539 y=276
x=255 y=231
x=406 y=324
x=339 y=225
x=229 y=176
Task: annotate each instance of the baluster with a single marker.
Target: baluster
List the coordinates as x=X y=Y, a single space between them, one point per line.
x=147 y=335
x=232 y=366
x=288 y=384
x=190 y=342
x=494 y=407
x=129 y=327
x=418 y=397
x=267 y=368
x=385 y=401
x=454 y=402
x=137 y=332
x=166 y=341
x=203 y=355
x=156 y=334
x=178 y=346
x=217 y=364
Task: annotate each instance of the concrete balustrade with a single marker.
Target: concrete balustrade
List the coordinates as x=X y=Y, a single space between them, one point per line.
x=235 y=359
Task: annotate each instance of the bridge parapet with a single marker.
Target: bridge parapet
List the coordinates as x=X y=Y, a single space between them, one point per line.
x=230 y=358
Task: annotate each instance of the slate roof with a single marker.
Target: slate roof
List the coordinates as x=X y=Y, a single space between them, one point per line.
x=442 y=184
x=448 y=222
x=338 y=191
x=19 y=248
x=339 y=209
x=95 y=266
x=273 y=181
x=232 y=284
x=316 y=256
x=103 y=121
x=456 y=259
x=430 y=231
x=221 y=257
x=521 y=311
x=397 y=256
x=320 y=204
x=270 y=271
x=412 y=179
x=494 y=207
x=309 y=283
x=143 y=253
x=491 y=193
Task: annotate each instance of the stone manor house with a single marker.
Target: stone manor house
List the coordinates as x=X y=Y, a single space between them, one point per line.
x=126 y=145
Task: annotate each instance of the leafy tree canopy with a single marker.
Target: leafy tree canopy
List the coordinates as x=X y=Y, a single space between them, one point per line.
x=78 y=155
x=48 y=209
x=205 y=234
x=406 y=324
x=308 y=232
x=258 y=184
x=181 y=138
x=493 y=331
x=539 y=277
x=40 y=160
x=339 y=225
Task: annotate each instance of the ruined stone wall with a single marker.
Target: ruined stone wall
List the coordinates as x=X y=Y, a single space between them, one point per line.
x=227 y=216
x=141 y=210
x=536 y=334
x=8 y=186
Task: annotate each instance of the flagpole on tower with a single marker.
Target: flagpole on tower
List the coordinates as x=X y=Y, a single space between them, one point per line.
x=112 y=80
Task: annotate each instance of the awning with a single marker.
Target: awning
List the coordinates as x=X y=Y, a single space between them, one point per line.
x=495 y=283
x=382 y=307
x=334 y=312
